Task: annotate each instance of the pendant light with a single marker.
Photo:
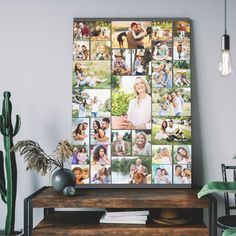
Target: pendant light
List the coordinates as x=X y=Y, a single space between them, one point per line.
x=225 y=65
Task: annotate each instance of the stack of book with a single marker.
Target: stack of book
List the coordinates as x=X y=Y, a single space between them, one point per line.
x=125 y=217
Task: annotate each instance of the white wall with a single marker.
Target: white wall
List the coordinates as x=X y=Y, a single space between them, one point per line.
x=36 y=66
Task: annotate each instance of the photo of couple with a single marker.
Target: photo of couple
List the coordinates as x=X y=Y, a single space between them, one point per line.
x=131 y=170
x=131 y=103
x=131 y=34
x=91 y=74
x=182 y=154
x=182 y=174
x=91 y=103
x=80 y=131
x=171 y=131
x=171 y=102
x=100 y=131
x=162 y=174
x=162 y=74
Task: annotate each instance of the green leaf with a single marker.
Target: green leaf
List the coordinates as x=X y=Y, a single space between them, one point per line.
x=213 y=187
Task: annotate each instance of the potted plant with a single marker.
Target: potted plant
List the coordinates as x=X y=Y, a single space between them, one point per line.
x=38 y=160
x=219 y=186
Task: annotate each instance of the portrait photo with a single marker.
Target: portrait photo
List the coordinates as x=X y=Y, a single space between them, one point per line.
x=100 y=174
x=81 y=173
x=182 y=50
x=131 y=102
x=100 y=154
x=182 y=154
x=182 y=174
x=80 y=131
x=101 y=50
x=181 y=30
x=121 y=61
x=141 y=143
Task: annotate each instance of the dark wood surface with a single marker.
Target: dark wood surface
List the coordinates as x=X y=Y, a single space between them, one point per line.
x=121 y=198
x=87 y=223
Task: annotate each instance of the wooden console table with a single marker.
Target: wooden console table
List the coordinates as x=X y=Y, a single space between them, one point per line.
x=87 y=223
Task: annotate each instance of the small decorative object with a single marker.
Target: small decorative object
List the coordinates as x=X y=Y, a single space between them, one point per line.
x=38 y=160
x=69 y=191
x=8 y=186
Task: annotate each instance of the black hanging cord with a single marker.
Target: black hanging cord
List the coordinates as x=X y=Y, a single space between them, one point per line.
x=225 y=16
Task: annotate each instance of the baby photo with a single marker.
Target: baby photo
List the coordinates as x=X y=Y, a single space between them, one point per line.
x=121 y=142
x=100 y=131
x=131 y=170
x=81 y=173
x=100 y=154
x=126 y=113
x=171 y=102
x=131 y=34
x=171 y=130
x=80 y=131
x=162 y=154
x=100 y=174
x=161 y=174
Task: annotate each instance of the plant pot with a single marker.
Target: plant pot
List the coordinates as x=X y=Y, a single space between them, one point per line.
x=62 y=178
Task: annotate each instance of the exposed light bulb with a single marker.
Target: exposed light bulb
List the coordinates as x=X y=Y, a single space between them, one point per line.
x=225 y=65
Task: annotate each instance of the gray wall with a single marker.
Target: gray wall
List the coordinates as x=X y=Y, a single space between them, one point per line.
x=36 y=66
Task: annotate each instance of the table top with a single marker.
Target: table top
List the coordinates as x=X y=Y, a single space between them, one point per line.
x=120 y=198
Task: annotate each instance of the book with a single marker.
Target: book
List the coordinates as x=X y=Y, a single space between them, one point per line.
x=124 y=217
x=103 y=220
x=127 y=213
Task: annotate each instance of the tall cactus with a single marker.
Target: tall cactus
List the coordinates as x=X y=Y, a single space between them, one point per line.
x=8 y=187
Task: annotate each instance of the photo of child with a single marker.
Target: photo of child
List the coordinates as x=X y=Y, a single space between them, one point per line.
x=100 y=174
x=81 y=173
x=101 y=50
x=182 y=75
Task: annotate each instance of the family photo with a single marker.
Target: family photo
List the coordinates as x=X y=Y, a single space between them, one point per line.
x=182 y=154
x=100 y=50
x=182 y=74
x=100 y=154
x=121 y=142
x=162 y=74
x=80 y=155
x=141 y=143
x=161 y=174
x=131 y=170
x=162 y=154
x=81 y=173
x=100 y=131
x=182 y=174
x=131 y=103
x=171 y=102
x=91 y=74
x=162 y=31
x=131 y=34
x=81 y=50
x=81 y=29
x=80 y=131
x=171 y=130
x=91 y=103
x=100 y=174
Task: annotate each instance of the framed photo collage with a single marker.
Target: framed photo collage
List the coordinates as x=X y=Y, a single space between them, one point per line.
x=131 y=103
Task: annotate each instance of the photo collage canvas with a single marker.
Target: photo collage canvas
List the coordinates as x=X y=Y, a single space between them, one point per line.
x=131 y=102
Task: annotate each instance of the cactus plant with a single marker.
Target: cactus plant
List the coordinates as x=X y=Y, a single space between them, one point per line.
x=8 y=186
